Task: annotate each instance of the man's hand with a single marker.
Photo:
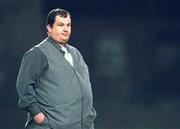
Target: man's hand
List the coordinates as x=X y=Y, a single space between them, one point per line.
x=39 y=118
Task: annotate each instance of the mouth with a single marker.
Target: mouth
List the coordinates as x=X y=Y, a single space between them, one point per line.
x=65 y=34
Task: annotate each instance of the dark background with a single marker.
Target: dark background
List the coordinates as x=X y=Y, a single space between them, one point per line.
x=132 y=49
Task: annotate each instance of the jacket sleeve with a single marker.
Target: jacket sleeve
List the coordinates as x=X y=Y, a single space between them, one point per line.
x=32 y=65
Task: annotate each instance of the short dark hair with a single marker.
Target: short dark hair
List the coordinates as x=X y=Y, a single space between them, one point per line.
x=56 y=12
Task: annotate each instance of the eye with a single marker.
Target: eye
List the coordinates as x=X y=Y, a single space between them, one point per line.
x=69 y=24
x=60 y=24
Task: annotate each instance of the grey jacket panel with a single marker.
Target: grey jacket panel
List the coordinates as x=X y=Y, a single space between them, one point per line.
x=64 y=92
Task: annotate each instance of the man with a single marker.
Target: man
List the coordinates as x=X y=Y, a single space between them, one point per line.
x=53 y=82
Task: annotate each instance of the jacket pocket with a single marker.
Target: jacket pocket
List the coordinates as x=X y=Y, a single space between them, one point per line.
x=45 y=121
x=89 y=120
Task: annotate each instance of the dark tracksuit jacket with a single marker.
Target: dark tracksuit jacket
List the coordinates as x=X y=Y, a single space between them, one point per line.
x=48 y=83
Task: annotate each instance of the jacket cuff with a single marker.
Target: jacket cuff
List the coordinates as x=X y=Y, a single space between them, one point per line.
x=34 y=109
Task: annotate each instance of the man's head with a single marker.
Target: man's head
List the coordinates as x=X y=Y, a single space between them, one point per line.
x=58 y=25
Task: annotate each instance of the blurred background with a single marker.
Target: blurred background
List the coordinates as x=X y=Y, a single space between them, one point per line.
x=132 y=49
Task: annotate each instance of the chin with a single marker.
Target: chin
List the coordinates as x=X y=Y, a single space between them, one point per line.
x=65 y=40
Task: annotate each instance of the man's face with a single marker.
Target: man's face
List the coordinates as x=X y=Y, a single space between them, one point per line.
x=61 y=29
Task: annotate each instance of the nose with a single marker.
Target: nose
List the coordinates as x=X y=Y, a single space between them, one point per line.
x=66 y=28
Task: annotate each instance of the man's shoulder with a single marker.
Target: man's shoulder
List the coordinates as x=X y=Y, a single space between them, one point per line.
x=35 y=50
x=73 y=48
x=70 y=46
x=41 y=44
x=75 y=51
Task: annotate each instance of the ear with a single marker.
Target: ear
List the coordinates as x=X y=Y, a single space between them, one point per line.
x=49 y=28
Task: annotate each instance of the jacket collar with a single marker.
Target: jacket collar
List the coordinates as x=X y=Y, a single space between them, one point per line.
x=56 y=44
